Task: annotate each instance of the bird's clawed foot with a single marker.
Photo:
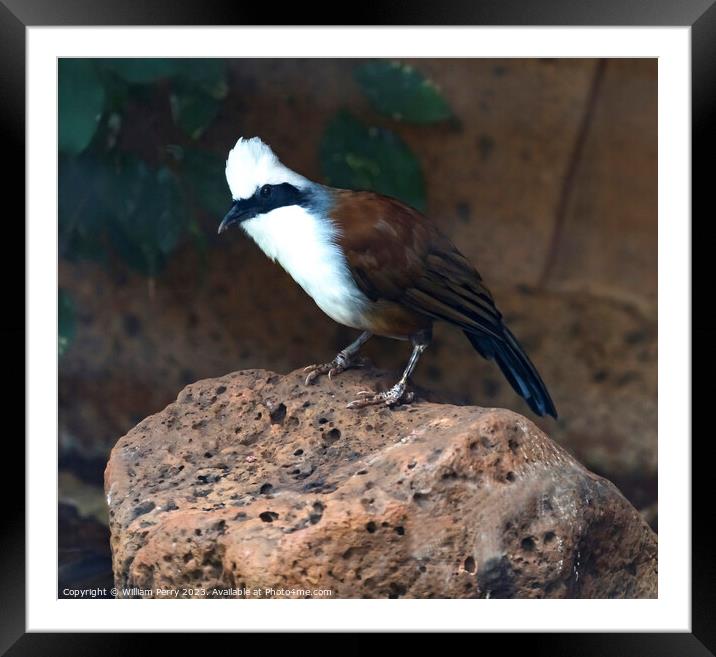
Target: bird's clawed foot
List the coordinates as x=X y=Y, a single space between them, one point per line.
x=339 y=364
x=396 y=395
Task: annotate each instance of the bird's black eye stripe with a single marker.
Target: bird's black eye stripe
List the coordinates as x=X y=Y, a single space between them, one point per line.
x=269 y=197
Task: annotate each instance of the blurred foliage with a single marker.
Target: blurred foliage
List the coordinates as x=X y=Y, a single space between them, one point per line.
x=400 y=92
x=80 y=100
x=65 y=321
x=141 y=71
x=355 y=155
x=112 y=202
x=205 y=173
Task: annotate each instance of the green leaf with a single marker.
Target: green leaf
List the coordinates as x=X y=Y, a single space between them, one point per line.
x=83 y=184
x=205 y=174
x=198 y=86
x=208 y=75
x=356 y=156
x=141 y=70
x=150 y=216
x=123 y=205
x=200 y=242
x=80 y=103
x=192 y=109
x=402 y=93
x=65 y=321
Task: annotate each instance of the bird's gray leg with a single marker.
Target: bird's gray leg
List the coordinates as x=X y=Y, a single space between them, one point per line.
x=343 y=360
x=397 y=393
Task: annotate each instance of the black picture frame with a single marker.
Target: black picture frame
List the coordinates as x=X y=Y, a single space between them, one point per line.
x=700 y=15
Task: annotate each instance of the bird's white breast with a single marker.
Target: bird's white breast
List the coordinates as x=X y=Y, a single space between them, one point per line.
x=305 y=246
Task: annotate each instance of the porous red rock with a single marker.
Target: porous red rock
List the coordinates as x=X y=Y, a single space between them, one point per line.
x=255 y=482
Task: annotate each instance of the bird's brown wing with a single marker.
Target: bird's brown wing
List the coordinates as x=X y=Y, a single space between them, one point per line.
x=394 y=253
x=397 y=254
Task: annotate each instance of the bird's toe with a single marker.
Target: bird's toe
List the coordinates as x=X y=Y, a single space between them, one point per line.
x=366 y=393
x=334 y=368
x=314 y=371
x=396 y=395
x=337 y=369
x=360 y=403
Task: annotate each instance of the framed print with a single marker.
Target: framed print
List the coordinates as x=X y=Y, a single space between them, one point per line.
x=390 y=321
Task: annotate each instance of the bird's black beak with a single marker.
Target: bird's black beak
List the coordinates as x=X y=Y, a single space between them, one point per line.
x=240 y=211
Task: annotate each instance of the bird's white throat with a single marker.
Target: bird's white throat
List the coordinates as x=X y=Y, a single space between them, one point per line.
x=305 y=246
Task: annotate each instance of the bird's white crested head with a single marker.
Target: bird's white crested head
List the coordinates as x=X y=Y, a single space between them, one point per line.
x=252 y=164
x=285 y=214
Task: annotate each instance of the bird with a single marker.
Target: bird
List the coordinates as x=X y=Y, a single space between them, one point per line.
x=374 y=264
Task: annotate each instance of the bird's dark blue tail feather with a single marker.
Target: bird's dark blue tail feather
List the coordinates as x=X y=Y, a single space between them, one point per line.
x=517 y=368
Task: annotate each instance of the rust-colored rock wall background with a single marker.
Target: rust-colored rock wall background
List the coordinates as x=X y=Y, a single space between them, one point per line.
x=546 y=180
